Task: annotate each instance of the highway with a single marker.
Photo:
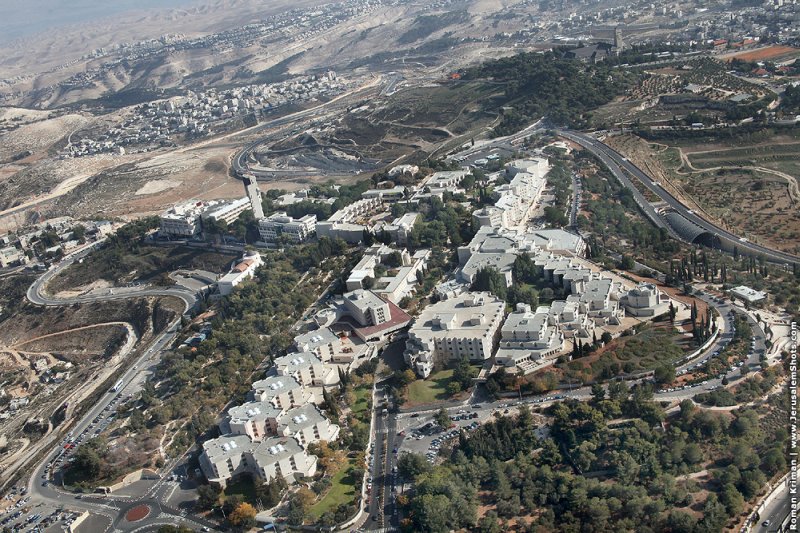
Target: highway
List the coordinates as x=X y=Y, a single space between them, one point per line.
x=240 y=161
x=776 y=512
x=617 y=163
x=39 y=488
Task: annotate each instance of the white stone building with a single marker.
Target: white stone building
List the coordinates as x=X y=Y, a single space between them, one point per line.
x=645 y=300
x=307 y=425
x=257 y=420
x=244 y=270
x=528 y=337
x=284 y=392
x=305 y=367
x=464 y=326
x=278 y=225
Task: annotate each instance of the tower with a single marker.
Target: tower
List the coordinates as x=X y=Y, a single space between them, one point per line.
x=619 y=44
x=251 y=188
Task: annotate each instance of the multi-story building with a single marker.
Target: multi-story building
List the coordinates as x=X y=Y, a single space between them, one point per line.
x=527 y=337
x=284 y=392
x=501 y=262
x=645 y=300
x=373 y=256
x=323 y=342
x=348 y=223
x=280 y=457
x=538 y=167
x=231 y=455
x=182 y=220
x=257 y=420
x=366 y=307
x=223 y=457
x=227 y=212
x=598 y=299
x=402 y=282
x=307 y=425
x=490 y=216
x=305 y=367
x=400 y=228
x=466 y=326
x=281 y=225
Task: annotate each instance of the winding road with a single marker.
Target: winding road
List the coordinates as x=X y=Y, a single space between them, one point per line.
x=113 y=509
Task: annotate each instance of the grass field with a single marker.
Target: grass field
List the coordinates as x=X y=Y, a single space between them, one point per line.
x=643 y=351
x=430 y=390
x=342 y=491
x=361 y=406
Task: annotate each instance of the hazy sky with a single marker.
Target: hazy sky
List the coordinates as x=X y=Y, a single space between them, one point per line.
x=19 y=18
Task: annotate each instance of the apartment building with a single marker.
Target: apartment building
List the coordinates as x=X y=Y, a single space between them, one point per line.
x=367 y=308
x=257 y=420
x=283 y=392
x=305 y=367
x=307 y=425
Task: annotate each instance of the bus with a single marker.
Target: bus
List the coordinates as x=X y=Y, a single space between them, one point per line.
x=117 y=386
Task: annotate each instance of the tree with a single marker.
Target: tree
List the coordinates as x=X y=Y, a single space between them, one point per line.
x=606 y=337
x=410 y=465
x=244 y=516
x=732 y=499
x=664 y=374
x=453 y=388
x=442 y=418
x=271 y=493
x=598 y=393
x=627 y=263
x=490 y=280
x=208 y=496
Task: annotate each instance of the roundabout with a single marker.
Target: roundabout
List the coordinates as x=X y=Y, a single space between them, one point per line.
x=140 y=512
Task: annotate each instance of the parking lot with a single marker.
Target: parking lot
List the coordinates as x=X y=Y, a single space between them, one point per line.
x=424 y=436
x=20 y=515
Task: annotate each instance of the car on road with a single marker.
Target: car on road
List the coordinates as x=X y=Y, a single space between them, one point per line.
x=766 y=523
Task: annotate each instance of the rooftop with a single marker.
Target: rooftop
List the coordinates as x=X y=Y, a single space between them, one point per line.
x=295 y=361
x=275 y=385
x=226 y=446
x=275 y=449
x=301 y=417
x=254 y=411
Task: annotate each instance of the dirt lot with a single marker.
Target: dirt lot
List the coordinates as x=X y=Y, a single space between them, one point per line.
x=769 y=53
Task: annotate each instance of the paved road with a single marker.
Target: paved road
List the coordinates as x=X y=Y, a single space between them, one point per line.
x=775 y=513
x=46 y=492
x=616 y=162
x=37 y=295
x=240 y=162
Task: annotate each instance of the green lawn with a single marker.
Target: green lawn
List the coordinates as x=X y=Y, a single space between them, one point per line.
x=341 y=491
x=430 y=390
x=361 y=405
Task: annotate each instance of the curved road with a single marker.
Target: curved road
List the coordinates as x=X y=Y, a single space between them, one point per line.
x=616 y=162
x=44 y=492
x=239 y=163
